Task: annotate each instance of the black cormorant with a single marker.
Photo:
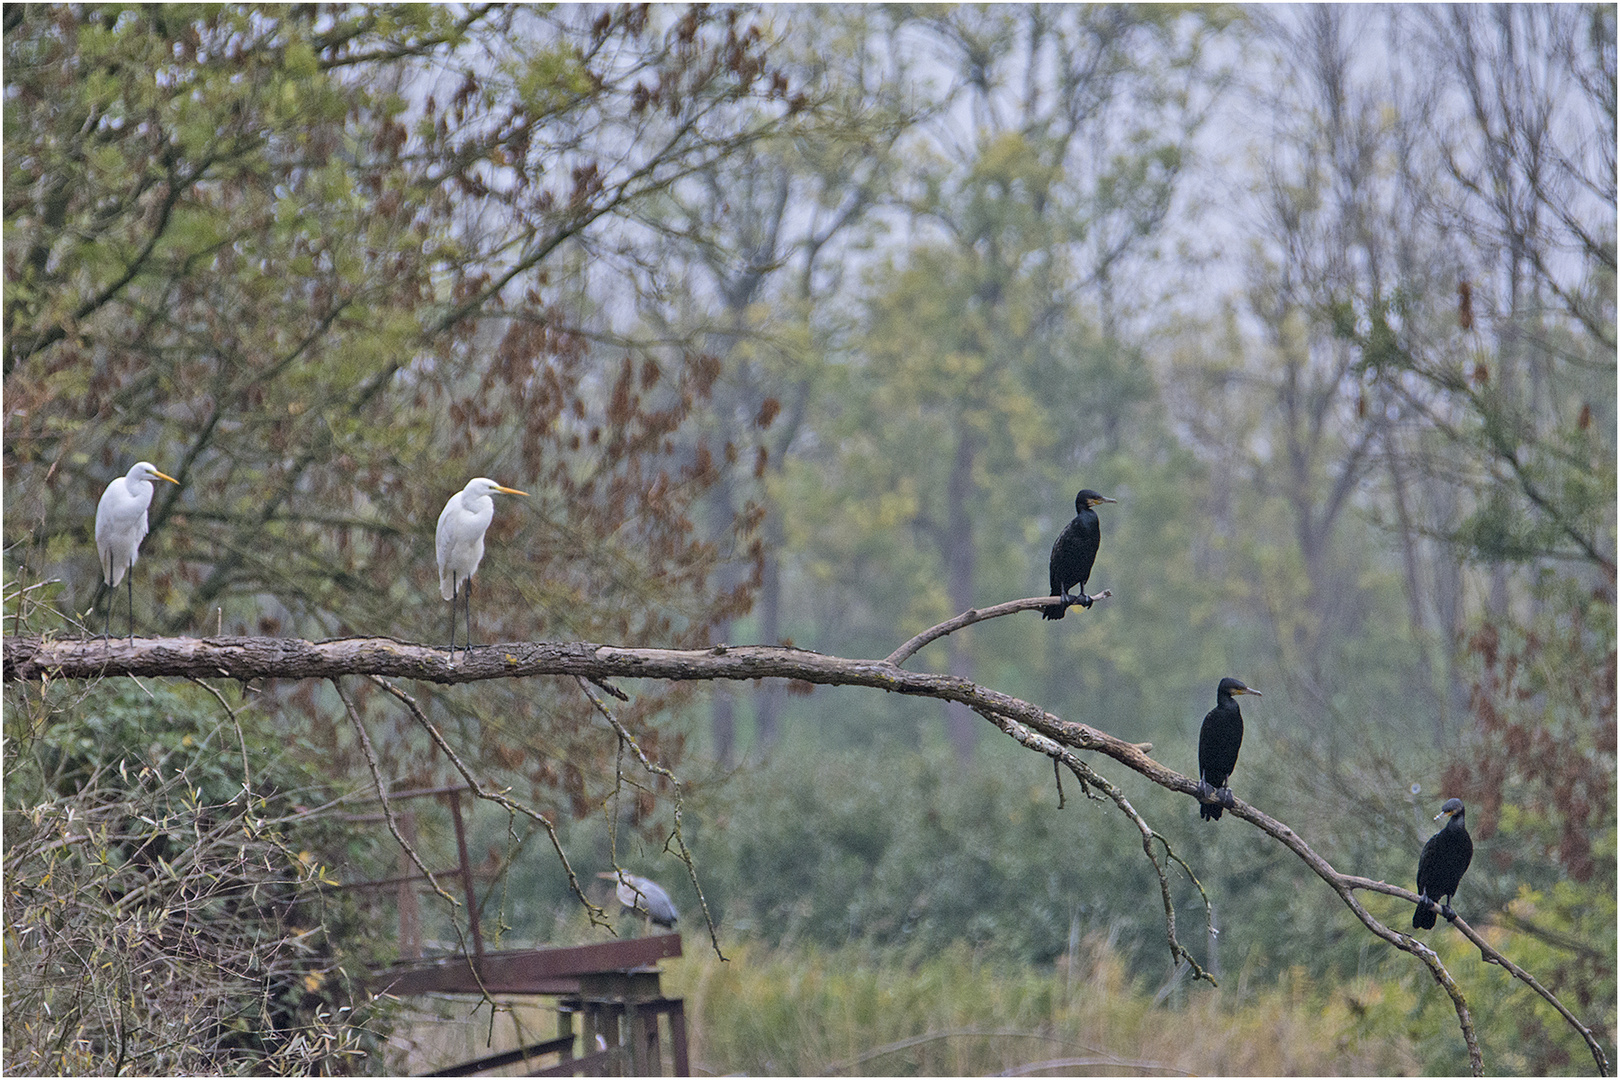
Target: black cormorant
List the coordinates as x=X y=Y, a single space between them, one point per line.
x=1073 y=553
x=1444 y=860
x=1218 y=743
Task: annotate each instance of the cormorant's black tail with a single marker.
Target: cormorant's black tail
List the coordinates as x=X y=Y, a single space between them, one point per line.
x=1053 y=611
x=1209 y=811
x=1423 y=917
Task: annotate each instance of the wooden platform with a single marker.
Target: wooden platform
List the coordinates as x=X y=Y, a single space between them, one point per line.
x=560 y=971
x=613 y=986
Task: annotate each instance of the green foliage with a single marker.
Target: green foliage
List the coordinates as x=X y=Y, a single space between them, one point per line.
x=917 y=856
x=628 y=260
x=808 y=1010
x=257 y=268
x=168 y=900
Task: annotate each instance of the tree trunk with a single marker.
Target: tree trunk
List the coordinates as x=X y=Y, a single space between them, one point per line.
x=723 y=718
x=768 y=695
x=959 y=565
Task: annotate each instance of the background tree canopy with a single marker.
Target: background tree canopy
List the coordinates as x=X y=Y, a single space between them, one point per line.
x=805 y=324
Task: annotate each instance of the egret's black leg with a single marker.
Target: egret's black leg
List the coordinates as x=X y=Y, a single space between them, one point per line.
x=106 y=576
x=453 y=588
x=129 y=576
x=469 y=612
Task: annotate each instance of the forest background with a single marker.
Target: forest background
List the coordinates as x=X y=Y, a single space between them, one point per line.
x=804 y=324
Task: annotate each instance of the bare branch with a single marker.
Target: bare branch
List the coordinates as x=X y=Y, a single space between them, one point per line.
x=479 y=791
x=1491 y=956
x=382 y=794
x=399 y=837
x=973 y=615
x=1089 y=778
x=650 y=766
x=1345 y=885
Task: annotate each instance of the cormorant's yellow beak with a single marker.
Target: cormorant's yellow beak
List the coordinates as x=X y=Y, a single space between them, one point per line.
x=1101 y=499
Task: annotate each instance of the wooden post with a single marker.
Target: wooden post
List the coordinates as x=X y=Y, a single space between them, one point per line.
x=677 y=1037
x=590 y=1028
x=565 y=1029
x=466 y=873
x=645 y=1032
x=614 y=1012
x=410 y=914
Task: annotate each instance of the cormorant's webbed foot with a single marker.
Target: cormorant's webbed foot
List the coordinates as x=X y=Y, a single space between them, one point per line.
x=1205 y=790
x=1451 y=916
x=1225 y=795
x=1083 y=600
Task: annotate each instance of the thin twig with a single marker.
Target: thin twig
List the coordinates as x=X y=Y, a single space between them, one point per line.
x=393 y=827
x=597 y=915
x=382 y=794
x=675 y=834
x=240 y=738
x=1089 y=778
x=1345 y=886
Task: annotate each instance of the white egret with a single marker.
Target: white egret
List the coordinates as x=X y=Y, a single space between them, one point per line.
x=120 y=528
x=643 y=896
x=459 y=541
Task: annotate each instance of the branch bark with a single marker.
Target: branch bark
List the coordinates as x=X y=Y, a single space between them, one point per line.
x=973 y=615
x=36 y=658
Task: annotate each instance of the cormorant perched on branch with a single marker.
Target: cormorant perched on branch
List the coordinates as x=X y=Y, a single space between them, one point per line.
x=1218 y=743
x=1444 y=860
x=1073 y=553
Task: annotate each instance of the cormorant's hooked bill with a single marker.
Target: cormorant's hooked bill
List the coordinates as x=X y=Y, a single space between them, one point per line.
x=1441 y=865
x=1074 y=552
x=1218 y=743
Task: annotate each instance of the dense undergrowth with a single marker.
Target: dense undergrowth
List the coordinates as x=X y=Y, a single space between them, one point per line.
x=876 y=899
x=803 y=1010
x=847 y=1011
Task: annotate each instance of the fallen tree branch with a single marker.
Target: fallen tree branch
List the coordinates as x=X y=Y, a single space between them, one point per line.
x=35 y=658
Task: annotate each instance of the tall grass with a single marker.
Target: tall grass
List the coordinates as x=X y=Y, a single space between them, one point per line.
x=809 y=1011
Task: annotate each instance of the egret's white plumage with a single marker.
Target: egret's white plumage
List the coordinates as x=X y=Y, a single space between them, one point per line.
x=459 y=541
x=121 y=526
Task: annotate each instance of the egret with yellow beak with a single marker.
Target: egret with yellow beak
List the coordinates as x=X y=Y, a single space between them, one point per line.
x=120 y=528
x=459 y=541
